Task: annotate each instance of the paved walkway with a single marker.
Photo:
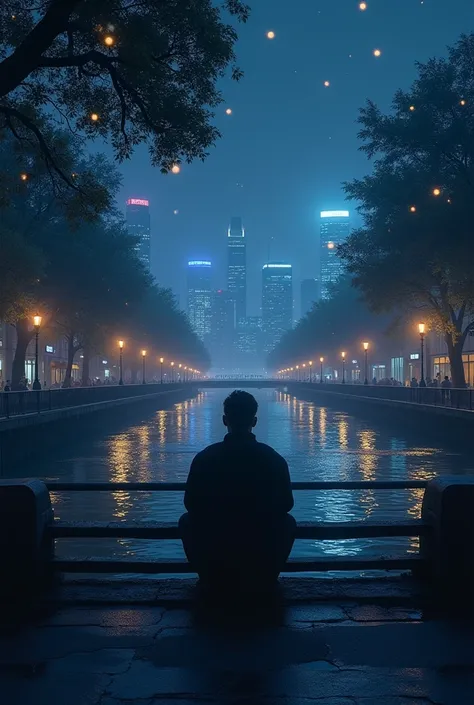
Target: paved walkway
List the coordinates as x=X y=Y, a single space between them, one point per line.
x=328 y=653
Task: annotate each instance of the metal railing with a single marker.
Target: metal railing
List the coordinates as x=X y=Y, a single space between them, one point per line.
x=38 y=401
x=321 y=531
x=453 y=398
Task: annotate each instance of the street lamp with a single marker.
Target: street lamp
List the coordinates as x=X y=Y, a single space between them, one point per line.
x=310 y=371
x=162 y=359
x=321 y=360
x=120 y=344
x=298 y=373
x=421 y=329
x=186 y=376
x=304 y=372
x=143 y=366
x=343 y=355
x=179 y=373
x=172 y=371
x=366 y=350
x=36 y=322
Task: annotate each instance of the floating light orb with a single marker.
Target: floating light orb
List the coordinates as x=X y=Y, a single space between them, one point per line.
x=175 y=169
x=412 y=108
x=412 y=209
x=331 y=246
x=94 y=117
x=462 y=102
x=377 y=53
x=109 y=41
x=271 y=34
x=436 y=192
x=175 y=212
x=228 y=111
x=362 y=6
x=327 y=84
x=24 y=177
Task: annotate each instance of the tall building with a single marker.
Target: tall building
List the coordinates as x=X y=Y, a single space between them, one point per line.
x=237 y=266
x=200 y=296
x=310 y=294
x=138 y=225
x=277 y=302
x=335 y=228
x=221 y=341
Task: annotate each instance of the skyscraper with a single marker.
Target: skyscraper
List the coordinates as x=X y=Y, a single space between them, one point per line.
x=237 y=266
x=277 y=302
x=200 y=296
x=310 y=294
x=138 y=225
x=335 y=228
x=222 y=329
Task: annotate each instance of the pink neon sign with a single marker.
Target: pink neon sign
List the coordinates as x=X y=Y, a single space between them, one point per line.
x=137 y=202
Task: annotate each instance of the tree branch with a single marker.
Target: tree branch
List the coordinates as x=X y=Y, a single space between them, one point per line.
x=30 y=125
x=26 y=57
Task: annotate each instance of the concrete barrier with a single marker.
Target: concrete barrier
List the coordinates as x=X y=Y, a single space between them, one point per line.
x=448 y=508
x=25 y=542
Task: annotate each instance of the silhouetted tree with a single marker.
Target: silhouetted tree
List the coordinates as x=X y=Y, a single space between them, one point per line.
x=415 y=250
x=129 y=72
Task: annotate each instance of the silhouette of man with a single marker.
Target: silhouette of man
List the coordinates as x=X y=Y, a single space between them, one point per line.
x=237 y=533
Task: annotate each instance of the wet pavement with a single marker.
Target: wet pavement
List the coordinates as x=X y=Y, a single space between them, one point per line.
x=379 y=650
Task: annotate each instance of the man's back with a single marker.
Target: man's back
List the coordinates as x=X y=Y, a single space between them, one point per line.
x=239 y=477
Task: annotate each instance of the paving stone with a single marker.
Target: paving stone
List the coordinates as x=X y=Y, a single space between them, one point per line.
x=377 y=613
x=100 y=617
x=55 y=688
x=314 y=613
x=176 y=619
x=145 y=680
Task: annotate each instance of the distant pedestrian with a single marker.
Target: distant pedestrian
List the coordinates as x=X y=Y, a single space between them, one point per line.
x=414 y=382
x=446 y=385
x=374 y=380
x=7 y=387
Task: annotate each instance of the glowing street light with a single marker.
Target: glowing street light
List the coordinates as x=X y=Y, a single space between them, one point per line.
x=421 y=330
x=228 y=111
x=321 y=360
x=175 y=169
x=377 y=53
x=23 y=176
x=366 y=351
x=327 y=84
x=162 y=359
x=343 y=355
x=143 y=366
x=412 y=209
x=462 y=102
x=94 y=117
x=362 y=6
x=436 y=191
x=37 y=323
x=412 y=108
x=271 y=34
x=120 y=344
x=172 y=371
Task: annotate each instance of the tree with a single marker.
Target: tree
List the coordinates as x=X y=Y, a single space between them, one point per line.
x=414 y=253
x=128 y=71
x=332 y=325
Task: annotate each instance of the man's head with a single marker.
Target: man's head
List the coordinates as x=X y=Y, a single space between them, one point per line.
x=240 y=412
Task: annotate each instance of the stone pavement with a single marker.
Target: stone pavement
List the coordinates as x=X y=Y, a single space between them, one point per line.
x=334 y=652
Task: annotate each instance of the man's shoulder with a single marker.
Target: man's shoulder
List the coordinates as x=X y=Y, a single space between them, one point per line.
x=211 y=450
x=270 y=452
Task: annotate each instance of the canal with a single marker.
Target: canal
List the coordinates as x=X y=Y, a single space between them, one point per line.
x=319 y=443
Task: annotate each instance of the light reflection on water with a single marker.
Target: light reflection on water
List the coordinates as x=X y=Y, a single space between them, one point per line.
x=319 y=443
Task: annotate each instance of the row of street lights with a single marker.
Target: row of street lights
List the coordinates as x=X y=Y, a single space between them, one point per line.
x=365 y=345
x=182 y=371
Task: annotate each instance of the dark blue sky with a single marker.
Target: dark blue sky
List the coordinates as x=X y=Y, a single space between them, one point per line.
x=290 y=141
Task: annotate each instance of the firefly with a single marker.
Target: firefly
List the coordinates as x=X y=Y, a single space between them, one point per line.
x=436 y=192
x=94 y=117
x=412 y=108
x=271 y=34
x=462 y=102
x=377 y=53
x=24 y=177
x=327 y=84
x=228 y=111
x=175 y=169
x=412 y=209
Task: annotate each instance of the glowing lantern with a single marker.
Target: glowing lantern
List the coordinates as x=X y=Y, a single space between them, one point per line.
x=94 y=117
x=436 y=192
x=24 y=177
x=377 y=53
x=175 y=169
x=228 y=111
x=362 y=6
x=271 y=34
x=109 y=41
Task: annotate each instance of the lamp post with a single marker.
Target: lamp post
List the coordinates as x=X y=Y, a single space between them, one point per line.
x=179 y=373
x=321 y=360
x=297 y=373
x=186 y=374
x=36 y=322
x=366 y=350
x=143 y=366
x=120 y=344
x=162 y=359
x=421 y=329
x=172 y=371
x=310 y=371
x=304 y=372
x=343 y=355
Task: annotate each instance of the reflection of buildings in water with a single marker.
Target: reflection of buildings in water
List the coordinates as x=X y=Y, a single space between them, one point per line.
x=120 y=455
x=368 y=465
x=323 y=415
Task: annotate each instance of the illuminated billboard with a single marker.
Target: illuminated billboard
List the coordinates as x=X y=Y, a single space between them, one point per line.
x=334 y=214
x=137 y=202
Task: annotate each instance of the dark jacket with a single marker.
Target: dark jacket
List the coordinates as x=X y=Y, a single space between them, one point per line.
x=238 y=479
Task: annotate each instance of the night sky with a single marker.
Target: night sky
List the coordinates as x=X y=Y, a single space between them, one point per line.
x=290 y=140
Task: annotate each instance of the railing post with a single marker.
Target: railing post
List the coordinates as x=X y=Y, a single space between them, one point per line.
x=38 y=401
x=50 y=399
x=448 y=549
x=6 y=399
x=25 y=542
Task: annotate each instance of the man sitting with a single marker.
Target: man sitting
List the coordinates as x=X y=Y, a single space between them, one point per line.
x=237 y=533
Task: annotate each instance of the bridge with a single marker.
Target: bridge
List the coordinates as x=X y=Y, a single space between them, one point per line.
x=241 y=383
